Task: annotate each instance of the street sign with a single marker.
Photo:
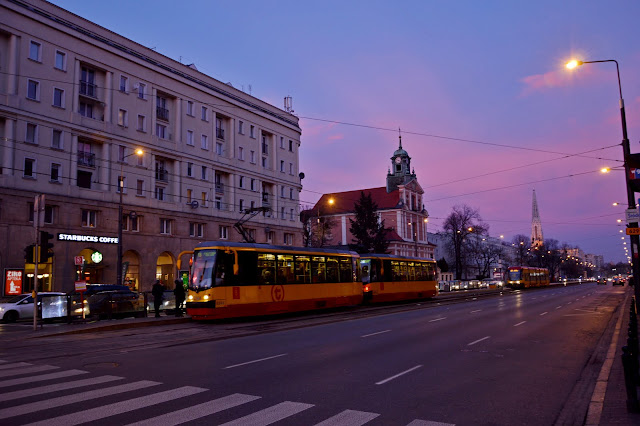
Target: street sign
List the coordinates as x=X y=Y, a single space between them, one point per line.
x=81 y=285
x=633 y=231
x=78 y=260
x=633 y=215
x=13 y=282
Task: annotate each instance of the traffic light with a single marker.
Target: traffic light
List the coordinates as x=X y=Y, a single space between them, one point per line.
x=45 y=245
x=28 y=253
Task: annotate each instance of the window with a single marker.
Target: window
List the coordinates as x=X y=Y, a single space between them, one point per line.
x=56 y=139
x=219 y=129
x=33 y=90
x=32 y=133
x=241 y=181
x=140 y=160
x=241 y=205
x=282 y=216
x=60 y=60
x=205 y=114
x=88 y=82
x=162 y=112
x=291 y=214
x=121 y=151
x=130 y=223
x=290 y=145
x=190 y=137
x=218 y=203
x=89 y=218
x=240 y=153
x=140 y=188
x=189 y=195
x=253 y=157
x=253 y=184
x=141 y=89
x=190 y=108
x=29 y=168
x=253 y=204
x=48 y=213
x=190 y=169
x=252 y=132
x=159 y=193
x=124 y=83
x=282 y=166
x=264 y=162
x=241 y=127
x=203 y=173
x=122 y=183
x=204 y=142
x=265 y=146
x=291 y=169
x=161 y=131
x=282 y=188
x=123 y=118
x=218 y=148
x=86 y=110
x=35 y=51
x=165 y=226
x=270 y=236
x=291 y=193
x=203 y=199
x=288 y=239
x=142 y=123
x=196 y=229
x=58 y=97
x=224 y=232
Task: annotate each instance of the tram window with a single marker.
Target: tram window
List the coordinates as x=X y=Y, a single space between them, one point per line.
x=203 y=269
x=266 y=268
x=420 y=271
x=318 y=269
x=388 y=270
x=303 y=270
x=375 y=270
x=248 y=262
x=332 y=270
x=285 y=269
x=411 y=271
x=346 y=271
x=365 y=267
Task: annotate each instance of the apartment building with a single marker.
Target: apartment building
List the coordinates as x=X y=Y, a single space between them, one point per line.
x=77 y=102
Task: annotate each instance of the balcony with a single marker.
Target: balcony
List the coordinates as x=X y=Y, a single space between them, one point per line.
x=162 y=113
x=88 y=89
x=220 y=188
x=87 y=159
x=219 y=133
x=162 y=175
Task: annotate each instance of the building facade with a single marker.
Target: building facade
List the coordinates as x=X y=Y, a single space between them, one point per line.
x=77 y=101
x=400 y=205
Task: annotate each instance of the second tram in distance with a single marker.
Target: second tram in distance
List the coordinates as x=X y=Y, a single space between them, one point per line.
x=526 y=277
x=387 y=278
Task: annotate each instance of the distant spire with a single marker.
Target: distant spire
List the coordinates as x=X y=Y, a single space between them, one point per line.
x=400 y=137
x=536 y=225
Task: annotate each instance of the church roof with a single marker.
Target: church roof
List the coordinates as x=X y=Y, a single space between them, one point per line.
x=344 y=202
x=400 y=152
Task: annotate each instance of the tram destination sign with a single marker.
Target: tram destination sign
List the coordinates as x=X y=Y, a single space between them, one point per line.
x=87 y=238
x=633 y=231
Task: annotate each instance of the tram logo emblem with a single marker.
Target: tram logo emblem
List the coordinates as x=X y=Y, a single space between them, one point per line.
x=277 y=293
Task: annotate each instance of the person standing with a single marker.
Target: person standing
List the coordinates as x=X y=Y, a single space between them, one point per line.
x=158 y=292
x=180 y=295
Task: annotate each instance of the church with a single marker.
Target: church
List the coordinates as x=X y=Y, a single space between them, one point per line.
x=400 y=204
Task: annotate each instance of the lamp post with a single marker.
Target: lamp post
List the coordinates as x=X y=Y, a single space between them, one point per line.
x=626 y=150
x=137 y=152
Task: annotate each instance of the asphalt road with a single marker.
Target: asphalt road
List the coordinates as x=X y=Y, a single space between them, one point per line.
x=509 y=359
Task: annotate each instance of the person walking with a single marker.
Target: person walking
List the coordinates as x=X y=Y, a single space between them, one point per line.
x=180 y=295
x=158 y=292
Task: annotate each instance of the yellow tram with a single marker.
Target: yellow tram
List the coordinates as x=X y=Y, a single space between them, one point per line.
x=389 y=278
x=526 y=276
x=243 y=279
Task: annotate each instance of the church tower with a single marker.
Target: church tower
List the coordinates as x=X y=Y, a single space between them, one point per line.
x=400 y=172
x=536 y=226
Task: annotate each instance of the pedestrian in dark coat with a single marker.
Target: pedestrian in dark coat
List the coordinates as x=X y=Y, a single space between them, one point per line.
x=158 y=292
x=180 y=295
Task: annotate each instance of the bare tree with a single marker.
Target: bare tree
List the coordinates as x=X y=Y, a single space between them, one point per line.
x=458 y=226
x=522 y=244
x=484 y=254
x=316 y=229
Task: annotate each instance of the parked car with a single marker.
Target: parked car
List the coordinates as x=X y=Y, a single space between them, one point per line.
x=52 y=304
x=116 y=303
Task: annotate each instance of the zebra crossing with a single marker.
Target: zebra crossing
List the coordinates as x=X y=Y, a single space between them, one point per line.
x=23 y=387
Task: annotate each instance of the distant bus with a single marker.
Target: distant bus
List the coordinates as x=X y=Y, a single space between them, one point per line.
x=526 y=277
x=387 y=277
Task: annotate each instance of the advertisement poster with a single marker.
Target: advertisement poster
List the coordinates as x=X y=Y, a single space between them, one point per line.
x=13 y=282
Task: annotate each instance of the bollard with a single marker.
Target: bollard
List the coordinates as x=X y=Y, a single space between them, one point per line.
x=632 y=393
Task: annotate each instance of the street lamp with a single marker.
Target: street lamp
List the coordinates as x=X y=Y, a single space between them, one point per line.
x=137 y=152
x=626 y=150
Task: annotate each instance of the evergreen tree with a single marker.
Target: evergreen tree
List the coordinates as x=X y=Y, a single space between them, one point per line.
x=368 y=234
x=443 y=265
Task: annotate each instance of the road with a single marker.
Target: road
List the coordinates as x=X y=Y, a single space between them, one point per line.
x=514 y=358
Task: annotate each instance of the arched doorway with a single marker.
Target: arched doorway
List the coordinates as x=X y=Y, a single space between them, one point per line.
x=132 y=275
x=92 y=271
x=165 y=267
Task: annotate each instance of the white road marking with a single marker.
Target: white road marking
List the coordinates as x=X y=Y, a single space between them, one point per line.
x=558 y=307
x=72 y=399
x=349 y=418
x=429 y=423
x=27 y=370
x=270 y=415
x=438 y=319
x=477 y=310
x=478 y=341
x=41 y=378
x=198 y=411
x=109 y=410
x=544 y=313
x=14 y=365
x=254 y=361
x=376 y=333
x=9 y=396
x=382 y=382
x=519 y=324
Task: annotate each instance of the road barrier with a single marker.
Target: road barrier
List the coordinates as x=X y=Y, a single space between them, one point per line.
x=630 y=361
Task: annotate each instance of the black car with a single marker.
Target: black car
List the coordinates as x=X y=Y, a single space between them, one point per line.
x=116 y=303
x=602 y=281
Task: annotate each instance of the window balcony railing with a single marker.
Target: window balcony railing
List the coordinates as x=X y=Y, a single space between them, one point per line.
x=162 y=113
x=88 y=89
x=162 y=175
x=219 y=188
x=219 y=133
x=87 y=159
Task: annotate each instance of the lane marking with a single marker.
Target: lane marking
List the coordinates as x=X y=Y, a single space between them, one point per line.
x=41 y=378
x=254 y=361
x=382 y=382
x=544 y=313
x=349 y=418
x=558 y=307
x=198 y=411
x=270 y=415
x=438 y=319
x=478 y=341
x=419 y=422
x=519 y=324
x=27 y=370
x=376 y=333
x=9 y=396
x=14 y=365
x=477 y=310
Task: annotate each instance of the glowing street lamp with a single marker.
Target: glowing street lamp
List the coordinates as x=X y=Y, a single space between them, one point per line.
x=119 y=277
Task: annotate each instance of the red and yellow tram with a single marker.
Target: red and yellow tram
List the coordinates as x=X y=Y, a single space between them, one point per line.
x=242 y=279
x=387 y=278
x=526 y=276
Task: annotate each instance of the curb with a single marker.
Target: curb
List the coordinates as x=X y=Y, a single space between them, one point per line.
x=152 y=322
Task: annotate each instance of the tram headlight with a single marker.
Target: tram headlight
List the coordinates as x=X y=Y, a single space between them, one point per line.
x=191 y=297
x=206 y=297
